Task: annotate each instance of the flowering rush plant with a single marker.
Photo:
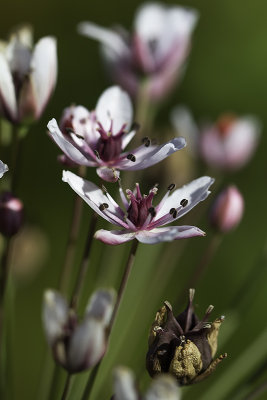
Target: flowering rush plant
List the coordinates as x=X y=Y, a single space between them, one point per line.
x=98 y=139
x=139 y=219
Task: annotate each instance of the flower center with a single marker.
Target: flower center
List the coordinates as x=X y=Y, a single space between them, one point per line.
x=140 y=208
x=109 y=146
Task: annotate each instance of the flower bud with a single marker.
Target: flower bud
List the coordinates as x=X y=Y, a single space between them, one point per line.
x=163 y=387
x=11 y=214
x=227 y=210
x=183 y=346
x=77 y=346
x=230 y=143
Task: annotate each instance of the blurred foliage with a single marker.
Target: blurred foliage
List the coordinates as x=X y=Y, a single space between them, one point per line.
x=226 y=72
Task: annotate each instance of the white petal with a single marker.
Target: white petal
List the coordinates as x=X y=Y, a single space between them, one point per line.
x=147 y=156
x=114 y=237
x=108 y=174
x=124 y=384
x=168 y=234
x=94 y=197
x=3 y=168
x=194 y=192
x=127 y=138
x=68 y=148
x=107 y=37
x=43 y=71
x=87 y=345
x=100 y=305
x=163 y=387
x=55 y=315
x=7 y=89
x=114 y=105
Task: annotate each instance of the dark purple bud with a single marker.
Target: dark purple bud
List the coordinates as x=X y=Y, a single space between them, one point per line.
x=109 y=147
x=11 y=214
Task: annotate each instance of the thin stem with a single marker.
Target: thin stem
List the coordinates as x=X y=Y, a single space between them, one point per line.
x=14 y=158
x=84 y=263
x=3 y=281
x=202 y=266
x=72 y=239
x=127 y=270
x=66 y=387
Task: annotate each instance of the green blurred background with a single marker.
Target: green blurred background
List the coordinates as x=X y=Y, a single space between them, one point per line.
x=226 y=72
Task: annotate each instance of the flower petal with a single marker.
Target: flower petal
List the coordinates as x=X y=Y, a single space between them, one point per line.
x=95 y=197
x=100 y=305
x=163 y=387
x=114 y=105
x=7 y=90
x=55 y=315
x=44 y=72
x=124 y=384
x=3 y=168
x=168 y=234
x=68 y=148
x=114 y=237
x=108 y=174
x=194 y=192
x=127 y=138
x=106 y=36
x=148 y=156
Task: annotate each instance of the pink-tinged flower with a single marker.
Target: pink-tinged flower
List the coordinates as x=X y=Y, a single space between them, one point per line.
x=77 y=346
x=227 y=210
x=11 y=214
x=163 y=387
x=156 y=50
x=140 y=219
x=28 y=75
x=98 y=139
x=227 y=144
x=230 y=143
x=3 y=168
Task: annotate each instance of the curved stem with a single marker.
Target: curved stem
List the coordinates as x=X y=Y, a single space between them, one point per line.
x=84 y=263
x=127 y=270
x=72 y=239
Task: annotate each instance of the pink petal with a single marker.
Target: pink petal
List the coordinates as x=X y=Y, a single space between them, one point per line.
x=114 y=237
x=167 y=234
x=108 y=174
x=148 y=156
x=194 y=192
x=68 y=148
x=95 y=197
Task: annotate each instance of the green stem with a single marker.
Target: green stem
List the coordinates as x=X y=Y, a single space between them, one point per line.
x=84 y=264
x=66 y=387
x=13 y=167
x=72 y=239
x=127 y=270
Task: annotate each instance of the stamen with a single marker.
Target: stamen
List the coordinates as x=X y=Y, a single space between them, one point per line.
x=152 y=211
x=131 y=157
x=172 y=211
x=97 y=154
x=171 y=186
x=79 y=136
x=146 y=141
x=184 y=202
x=104 y=189
x=69 y=130
x=174 y=214
x=103 y=206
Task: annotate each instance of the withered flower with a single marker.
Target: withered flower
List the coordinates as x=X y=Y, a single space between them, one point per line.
x=183 y=346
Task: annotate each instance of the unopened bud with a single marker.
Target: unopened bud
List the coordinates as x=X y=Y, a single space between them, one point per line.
x=227 y=210
x=11 y=214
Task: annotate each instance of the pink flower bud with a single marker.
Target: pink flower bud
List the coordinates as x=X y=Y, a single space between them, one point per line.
x=230 y=143
x=11 y=214
x=227 y=210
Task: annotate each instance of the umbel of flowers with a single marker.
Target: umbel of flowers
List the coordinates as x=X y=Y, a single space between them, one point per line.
x=99 y=138
x=183 y=346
